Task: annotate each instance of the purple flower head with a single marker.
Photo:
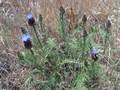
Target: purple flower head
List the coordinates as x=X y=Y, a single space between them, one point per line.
x=94 y=53
x=30 y=19
x=93 y=50
x=25 y=37
x=29 y=16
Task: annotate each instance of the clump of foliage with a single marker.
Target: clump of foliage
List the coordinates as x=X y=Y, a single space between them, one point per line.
x=67 y=64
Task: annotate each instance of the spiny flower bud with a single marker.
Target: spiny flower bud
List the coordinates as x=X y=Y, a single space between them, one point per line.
x=23 y=30
x=108 y=24
x=84 y=19
x=86 y=64
x=62 y=11
x=30 y=19
x=40 y=18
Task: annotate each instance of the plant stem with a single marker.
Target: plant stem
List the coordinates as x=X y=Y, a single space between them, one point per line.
x=84 y=40
x=32 y=52
x=106 y=38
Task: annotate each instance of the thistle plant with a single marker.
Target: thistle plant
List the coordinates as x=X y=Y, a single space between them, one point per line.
x=76 y=58
x=68 y=64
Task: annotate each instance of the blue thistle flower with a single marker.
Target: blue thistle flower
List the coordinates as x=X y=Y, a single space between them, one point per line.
x=29 y=15
x=94 y=53
x=26 y=39
x=30 y=19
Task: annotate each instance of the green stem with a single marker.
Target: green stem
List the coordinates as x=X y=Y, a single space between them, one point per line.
x=32 y=52
x=84 y=40
x=105 y=43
